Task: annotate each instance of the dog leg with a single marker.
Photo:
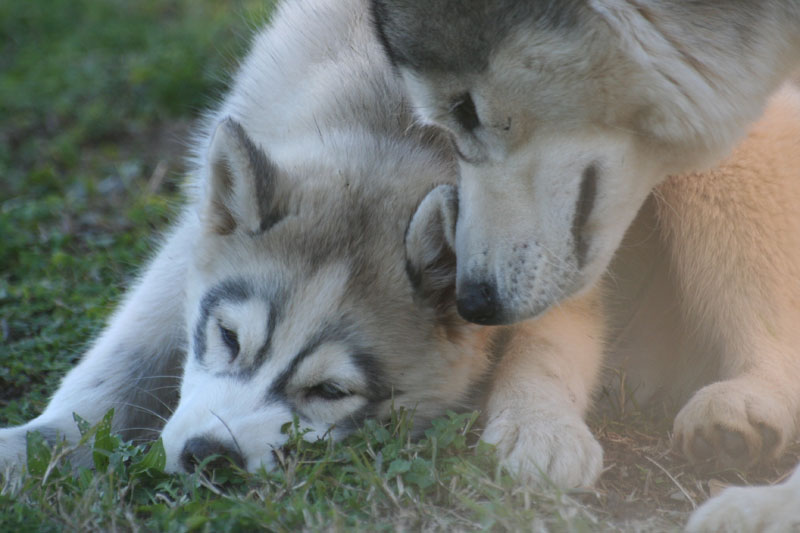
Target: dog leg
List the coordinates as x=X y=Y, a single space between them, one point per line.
x=133 y=366
x=768 y=509
x=734 y=240
x=541 y=390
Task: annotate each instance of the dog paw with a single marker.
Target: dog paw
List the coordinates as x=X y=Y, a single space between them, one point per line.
x=749 y=509
x=13 y=451
x=736 y=423
x=543 y=447
x=14 y=446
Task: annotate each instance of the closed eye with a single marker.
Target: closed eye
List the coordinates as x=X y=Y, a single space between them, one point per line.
x=464 y=112
x=327 y=390
x=231 y=340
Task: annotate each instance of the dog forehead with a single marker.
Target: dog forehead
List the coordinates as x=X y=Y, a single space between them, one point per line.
x=311 y=265
x=318 y=296
x=466 y=30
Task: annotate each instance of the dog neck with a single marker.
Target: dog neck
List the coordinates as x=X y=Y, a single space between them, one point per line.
x=712 y=66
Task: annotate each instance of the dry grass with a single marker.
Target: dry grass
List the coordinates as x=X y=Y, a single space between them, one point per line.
x=648 y=486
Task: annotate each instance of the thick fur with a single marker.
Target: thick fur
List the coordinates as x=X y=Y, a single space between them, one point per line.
x=566 y=116
x=312 y=273
x=285 y=288
x=768 y=509
x=715 y=261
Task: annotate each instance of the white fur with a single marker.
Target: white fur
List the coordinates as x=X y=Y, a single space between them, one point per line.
x=768 y=509
x=542 y=390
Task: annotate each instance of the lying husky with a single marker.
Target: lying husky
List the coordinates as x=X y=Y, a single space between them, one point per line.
x=565 y=116
x=310 y=274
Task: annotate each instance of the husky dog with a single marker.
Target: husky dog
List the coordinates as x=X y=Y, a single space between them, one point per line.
x=565 y=115
x=311 y=275
x=294 y=284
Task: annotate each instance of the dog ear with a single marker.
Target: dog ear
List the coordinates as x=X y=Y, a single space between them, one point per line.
x=241 y=186
x=430 y=254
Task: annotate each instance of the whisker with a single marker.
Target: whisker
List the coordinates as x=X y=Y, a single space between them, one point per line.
x=142 y=408
x=159 y=376
x=165 y=387
x=141 y=440
x=235 y=442
x=553 y=260
x=157 y=431
x=149 y=392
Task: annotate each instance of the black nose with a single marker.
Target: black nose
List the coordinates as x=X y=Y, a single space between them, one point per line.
x=197 y=449
x=478 y=303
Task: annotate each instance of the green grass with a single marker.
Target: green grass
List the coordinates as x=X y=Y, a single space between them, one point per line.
x=86 y=88
x=377 y=480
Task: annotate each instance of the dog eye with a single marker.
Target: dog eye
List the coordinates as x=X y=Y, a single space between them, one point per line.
x=327 y=390
x=464 y=112
x=231 y=340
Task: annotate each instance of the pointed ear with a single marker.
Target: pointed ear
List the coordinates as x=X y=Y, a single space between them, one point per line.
x=241 y=185
x=430 y=251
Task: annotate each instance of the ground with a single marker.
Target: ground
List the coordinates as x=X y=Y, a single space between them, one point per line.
x=97 y=99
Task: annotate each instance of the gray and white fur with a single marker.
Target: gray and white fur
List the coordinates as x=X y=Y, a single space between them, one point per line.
x=566 y=114
x=310 y=273
x=572 y=121
x=313 y=270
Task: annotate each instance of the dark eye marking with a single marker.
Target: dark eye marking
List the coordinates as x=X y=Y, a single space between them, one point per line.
x=231 y=340
x=341 y=331
x=464 y=112
x=583 y=208
x=327 y=390
x=231 y=290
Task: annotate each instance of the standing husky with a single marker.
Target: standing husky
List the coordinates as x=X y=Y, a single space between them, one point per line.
x=565 y=115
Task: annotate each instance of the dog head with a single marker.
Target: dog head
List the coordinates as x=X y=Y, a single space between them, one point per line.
x=311 y=295
x=564 y=116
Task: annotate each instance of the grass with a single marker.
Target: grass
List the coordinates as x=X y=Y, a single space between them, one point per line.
x=95 y=99
x=376 y=480
x=95 y=96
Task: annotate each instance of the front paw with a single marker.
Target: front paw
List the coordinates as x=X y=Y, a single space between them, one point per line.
x=13 y=451
x=770 y=509
x=738 y=423
x=14 y=446
x=541 y=447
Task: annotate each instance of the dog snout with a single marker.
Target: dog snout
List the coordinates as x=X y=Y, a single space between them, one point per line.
x=198 y=449
x=478 y=302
